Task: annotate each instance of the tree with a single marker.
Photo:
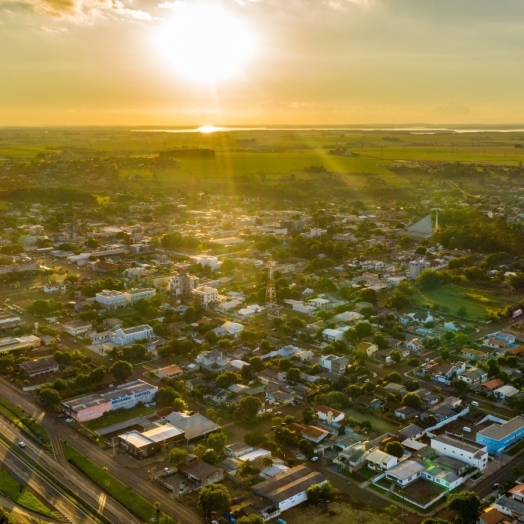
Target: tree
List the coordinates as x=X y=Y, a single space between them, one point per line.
x=363 y=329
x=252 y=518
x=394 y=377
x=256 y=363
x=308 y=415
x=177 y=456
x=412 y=400
x=180 y=404
x=165 y=396
x=369 y=295
x=466 y=505
x=395 y=355
x=435 y=520
x=217 y=442
x=319 y=492
x=429 y=279
x=214 y=498
x=380 y=340
x=49 y=397
x=121 y=370
x=411 y=385
x=4 y=517
x=394 y=448
x=190 y=315
x=248 y=407
x=293 y=375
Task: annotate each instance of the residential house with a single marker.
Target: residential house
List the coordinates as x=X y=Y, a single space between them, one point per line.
x=352 y=457
x=168 y=372
x=405 y=473
x=315 y=434
x=77 y=327
x=201 y=472
x=493 y=516
x=194 y=426
x=474 y=354
x=334 y=363
x=368 y=347
x=509 y=506
x=213 y=359
x=380 y=460
x=415 y=345
x=473 y=376
x=288 y=489
x=505 y=392
x=39 y=366
x=330 y=416
x=406 y=413
x=491 y=385
x=368 y=402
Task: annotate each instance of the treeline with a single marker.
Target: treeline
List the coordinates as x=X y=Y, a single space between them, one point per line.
x=188 y=153
x=49 y=195
x=477 y=232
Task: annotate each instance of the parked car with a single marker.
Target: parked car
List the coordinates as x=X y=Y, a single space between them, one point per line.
x=314 y=458
x=21 y=444
x=69 y=420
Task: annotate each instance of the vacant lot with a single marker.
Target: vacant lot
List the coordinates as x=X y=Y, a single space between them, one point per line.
x=336 y=513
x=477 y=301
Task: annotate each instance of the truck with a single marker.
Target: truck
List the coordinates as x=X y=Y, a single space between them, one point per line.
x=517 y=313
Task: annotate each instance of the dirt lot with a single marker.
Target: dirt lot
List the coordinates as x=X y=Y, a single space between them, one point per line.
x=336 y=513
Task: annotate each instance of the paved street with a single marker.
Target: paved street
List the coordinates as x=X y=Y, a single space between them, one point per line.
x=137 y=479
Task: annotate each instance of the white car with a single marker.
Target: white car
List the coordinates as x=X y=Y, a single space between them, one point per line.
x=314 y=458
x=21 y=444
x=69 y=420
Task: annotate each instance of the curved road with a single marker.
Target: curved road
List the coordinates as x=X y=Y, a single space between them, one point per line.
x=137 y=479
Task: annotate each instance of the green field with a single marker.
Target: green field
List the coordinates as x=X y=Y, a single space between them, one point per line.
x=119 y=491
x=19 y=495
x=478 y=301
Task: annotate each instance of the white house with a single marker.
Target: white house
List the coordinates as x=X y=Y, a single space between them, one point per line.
x=380 y=460
x=457 y=447
x=128 y=336
x=415 y=345
x=330 y=415
x=406 y=472
x=331 y=335
x=334 y=363
x=205 y=260
x=233 y=328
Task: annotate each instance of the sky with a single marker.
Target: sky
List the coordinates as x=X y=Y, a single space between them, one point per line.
x=261 y=62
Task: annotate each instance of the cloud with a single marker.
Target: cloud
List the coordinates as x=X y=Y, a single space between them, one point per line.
x=82 y=10
x=453 y=109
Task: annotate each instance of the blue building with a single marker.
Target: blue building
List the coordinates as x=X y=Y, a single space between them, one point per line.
x=498 y=437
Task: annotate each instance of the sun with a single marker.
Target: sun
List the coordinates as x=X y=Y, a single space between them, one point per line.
x=205 y=42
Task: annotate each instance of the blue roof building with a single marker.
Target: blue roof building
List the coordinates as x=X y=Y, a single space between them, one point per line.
x=498 y=437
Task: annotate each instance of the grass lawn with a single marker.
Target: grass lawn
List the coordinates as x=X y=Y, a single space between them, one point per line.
x=19 y=495
x=23 y=421
x=118 y=490
x=336 y=513
x=380 y=424
x=115 y=417
x=477 y=301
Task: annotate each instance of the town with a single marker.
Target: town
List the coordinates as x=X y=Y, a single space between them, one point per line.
x=210 y=357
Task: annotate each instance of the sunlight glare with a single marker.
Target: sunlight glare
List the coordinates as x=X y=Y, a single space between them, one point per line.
x=205 y=42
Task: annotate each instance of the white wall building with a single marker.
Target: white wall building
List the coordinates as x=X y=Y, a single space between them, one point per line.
x=132 y=295
x=111 y=299
x=128 y=336
x=457 y=447
x=206 y=295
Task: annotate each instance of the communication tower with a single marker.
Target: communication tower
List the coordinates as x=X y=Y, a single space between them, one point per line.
x=271 y=294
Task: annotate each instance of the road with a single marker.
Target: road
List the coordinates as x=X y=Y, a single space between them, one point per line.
x=484 y=487
x=69 y=476
x=29 y=477
x=136 y=478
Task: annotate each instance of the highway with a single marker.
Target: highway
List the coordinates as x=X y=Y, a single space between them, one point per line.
x=136 y=478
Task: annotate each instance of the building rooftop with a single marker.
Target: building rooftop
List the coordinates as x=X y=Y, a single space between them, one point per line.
x=289 y=483
x=500 y=431
x=459 y=442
